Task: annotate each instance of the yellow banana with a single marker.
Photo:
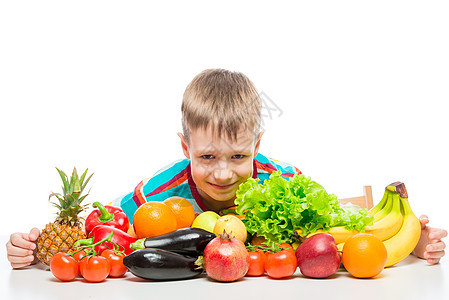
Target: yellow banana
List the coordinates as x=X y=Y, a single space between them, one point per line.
x=388 y=226
x=402 y=244
x=340 y=233
x=340 y=246
x=295 y=245
x=379 y=205
x=386 y=209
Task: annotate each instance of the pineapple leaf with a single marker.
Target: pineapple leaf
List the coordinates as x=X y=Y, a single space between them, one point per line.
x=60 y=198
x=75 y=174
x=64 y=180
x=70 y=200
x=56 y=205
x=69 y=205
x=53 y=194
x=75 y=195
x=72 y=181
x=83 y=176
x=85 y=183
x=81 y=200
x=76 y=182
x=70 y=189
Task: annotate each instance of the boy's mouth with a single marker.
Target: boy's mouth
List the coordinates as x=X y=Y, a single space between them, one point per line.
x=221 y=187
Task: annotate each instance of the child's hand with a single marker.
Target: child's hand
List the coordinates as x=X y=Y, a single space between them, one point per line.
x=21 y=248
x=430 y=246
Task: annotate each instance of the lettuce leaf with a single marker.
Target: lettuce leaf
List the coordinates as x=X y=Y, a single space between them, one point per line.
x=278 y=207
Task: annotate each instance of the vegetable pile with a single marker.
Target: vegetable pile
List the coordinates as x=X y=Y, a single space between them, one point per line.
x=171 y=256
x=281 y=215
x=92 y=265
x=278 y=207
x=101 y=255
x=277 y=261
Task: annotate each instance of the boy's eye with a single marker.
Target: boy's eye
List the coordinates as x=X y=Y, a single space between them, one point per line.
x=207 y=156
x=238 y=156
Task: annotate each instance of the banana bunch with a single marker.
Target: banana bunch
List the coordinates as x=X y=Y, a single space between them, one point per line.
x=394 y=223
x=402 y=243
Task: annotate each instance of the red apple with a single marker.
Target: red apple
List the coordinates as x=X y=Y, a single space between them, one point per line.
x=318 y=256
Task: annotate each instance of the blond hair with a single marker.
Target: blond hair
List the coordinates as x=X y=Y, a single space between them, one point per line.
x=225 y=100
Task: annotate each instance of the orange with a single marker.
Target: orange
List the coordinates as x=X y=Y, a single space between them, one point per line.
x=183 y=210
x=153 y=219
x=364 y=255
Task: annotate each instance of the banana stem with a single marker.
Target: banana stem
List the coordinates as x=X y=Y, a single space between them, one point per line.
x=398 y=187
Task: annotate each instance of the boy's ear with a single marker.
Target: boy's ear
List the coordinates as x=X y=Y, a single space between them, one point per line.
x=256 y=148
x=185 y=147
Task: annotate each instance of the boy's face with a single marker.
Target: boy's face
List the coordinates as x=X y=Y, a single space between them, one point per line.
x=218 y=165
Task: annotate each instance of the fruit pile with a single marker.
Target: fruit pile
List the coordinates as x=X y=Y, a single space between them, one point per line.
x=394 y=223
x=168 y=242
x=391 y=237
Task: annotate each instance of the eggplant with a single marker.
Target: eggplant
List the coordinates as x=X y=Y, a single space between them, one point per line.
x=189 y=241
x=158 y=264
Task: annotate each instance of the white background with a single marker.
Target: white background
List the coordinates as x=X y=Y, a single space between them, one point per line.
x=98 y=84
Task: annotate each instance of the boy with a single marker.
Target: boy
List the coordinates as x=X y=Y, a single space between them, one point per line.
x=221 y=117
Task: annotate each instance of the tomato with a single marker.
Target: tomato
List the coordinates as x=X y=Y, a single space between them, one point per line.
x=256 y=264
x=79 y=255
x=118 y=269
x=94 y=268
x=288 y=247
x=64 y=267
x=281 y=264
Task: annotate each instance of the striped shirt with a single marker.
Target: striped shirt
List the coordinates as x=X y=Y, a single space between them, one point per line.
x=176 y=180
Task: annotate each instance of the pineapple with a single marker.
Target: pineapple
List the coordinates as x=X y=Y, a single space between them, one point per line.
x=60 y=235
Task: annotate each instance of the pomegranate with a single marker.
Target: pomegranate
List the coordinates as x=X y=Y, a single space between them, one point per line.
x=225 y=258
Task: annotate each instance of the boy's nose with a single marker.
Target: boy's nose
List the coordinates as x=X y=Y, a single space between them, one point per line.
x=223 y=173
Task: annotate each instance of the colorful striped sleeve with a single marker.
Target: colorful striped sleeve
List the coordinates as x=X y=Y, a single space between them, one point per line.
x=265 y=166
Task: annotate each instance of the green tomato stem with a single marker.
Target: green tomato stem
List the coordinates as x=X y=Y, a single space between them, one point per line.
x=88 y=243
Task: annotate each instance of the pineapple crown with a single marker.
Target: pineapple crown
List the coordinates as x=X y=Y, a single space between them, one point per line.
x=70 y=202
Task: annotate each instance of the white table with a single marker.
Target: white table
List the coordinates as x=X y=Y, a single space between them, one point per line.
x=411 y=279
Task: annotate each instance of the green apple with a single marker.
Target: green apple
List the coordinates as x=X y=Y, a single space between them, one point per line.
x=206 y=221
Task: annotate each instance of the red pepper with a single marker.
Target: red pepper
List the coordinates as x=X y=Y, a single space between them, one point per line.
x=107 y=215
x=119 y=237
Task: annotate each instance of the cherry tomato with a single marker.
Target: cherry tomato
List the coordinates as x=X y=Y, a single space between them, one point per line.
x=281 y=264
x=79 y=255
x=288 y=247
x=94 y=268
x=64 y=267
x=118 y=269
x=256 y=264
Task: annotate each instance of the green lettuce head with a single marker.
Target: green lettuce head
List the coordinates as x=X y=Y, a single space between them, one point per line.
x=279 y=207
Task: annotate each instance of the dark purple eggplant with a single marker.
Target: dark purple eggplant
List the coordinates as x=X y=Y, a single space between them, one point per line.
x=184 y=241
x=158 y=264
